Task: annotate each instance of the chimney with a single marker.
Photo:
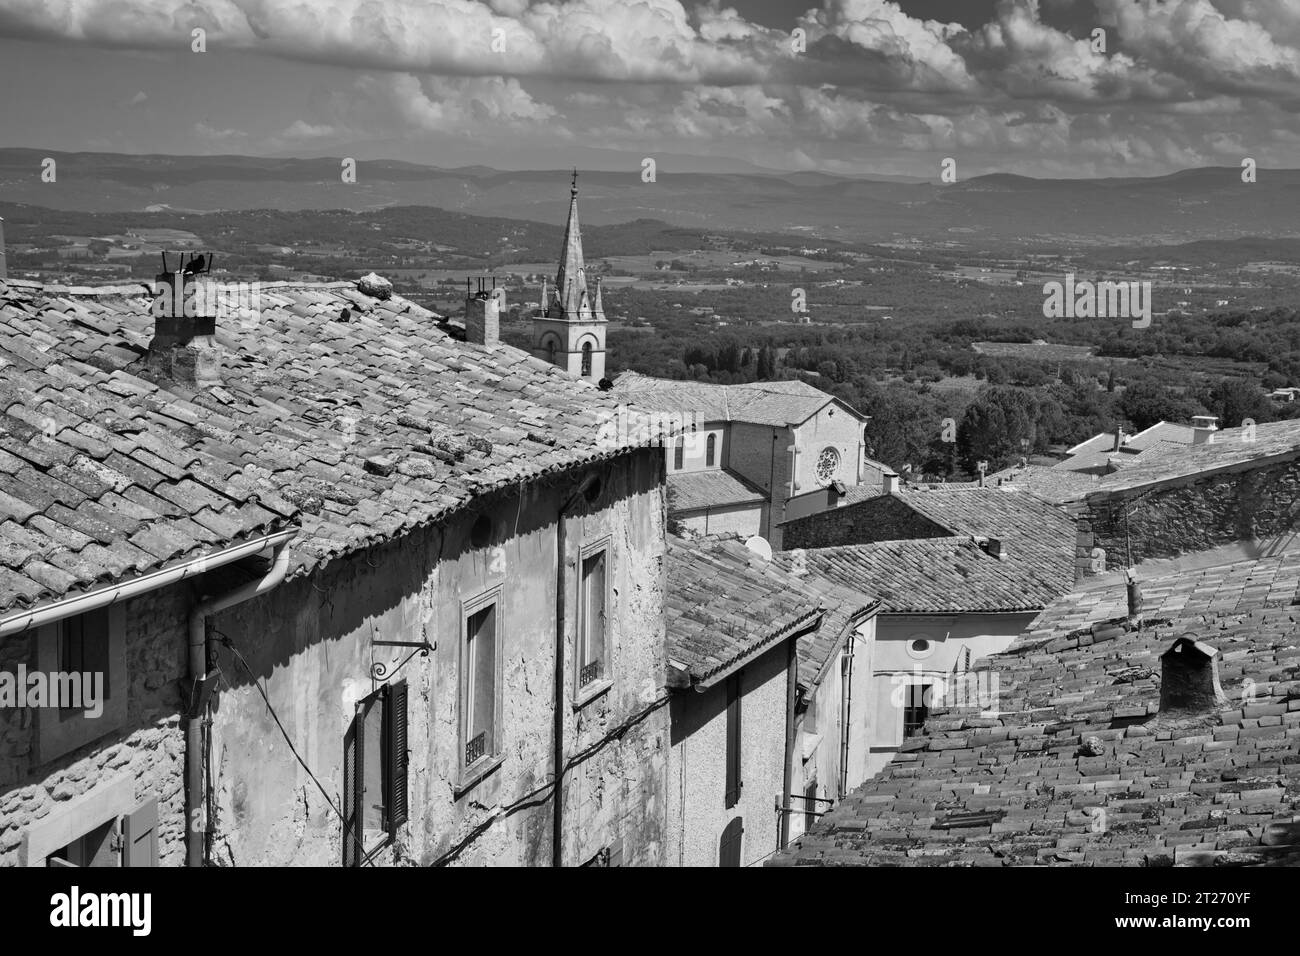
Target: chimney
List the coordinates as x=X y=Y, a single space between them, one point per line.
x=4 y=269
x=1119 y=437
x=1189 y=678
x=184 y=347
x=993 y=547
x=483 y=311
x=891 y=483
x=1134 y=595
x=1203 y=429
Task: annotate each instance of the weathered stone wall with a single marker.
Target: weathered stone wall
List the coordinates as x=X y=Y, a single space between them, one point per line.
x=885 y=518
x=310 y=643
x=1213 y=510
x=149 y=748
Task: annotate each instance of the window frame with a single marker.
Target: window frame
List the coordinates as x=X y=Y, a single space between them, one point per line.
x=469 y=774
x=59 y=732
x=909 y=708
x=679 y=454
x=583 y=693
x=711 y=450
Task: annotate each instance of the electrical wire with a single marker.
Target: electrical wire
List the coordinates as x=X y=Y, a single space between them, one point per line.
x=225 y=641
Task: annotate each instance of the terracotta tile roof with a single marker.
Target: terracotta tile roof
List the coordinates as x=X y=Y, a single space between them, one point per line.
x=1030 y=527
x=356 y=417
x=1070 y=761
x=1052 y=484
x=942 y=575
x=762 y=403
x=691 y=491
x=728 y=604
x=1231 y=448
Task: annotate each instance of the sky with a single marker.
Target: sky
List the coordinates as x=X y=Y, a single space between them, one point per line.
x=848 y=86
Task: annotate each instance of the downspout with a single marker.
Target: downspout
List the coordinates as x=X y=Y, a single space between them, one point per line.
x=846 y=720
x=557 y=727
x=791 y=681
x=195 y=837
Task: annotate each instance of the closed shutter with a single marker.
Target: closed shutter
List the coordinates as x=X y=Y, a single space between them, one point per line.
x=353 y=789
x=398 y=757
x=729 y=845
x=734 y=782
x=140 y=836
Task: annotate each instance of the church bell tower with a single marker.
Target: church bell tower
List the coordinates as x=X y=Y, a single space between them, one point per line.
x=569 y=328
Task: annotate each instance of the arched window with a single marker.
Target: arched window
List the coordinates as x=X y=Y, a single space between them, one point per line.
x=679 y=454
x=711 y=450
x=586 y=358
x=549 y=344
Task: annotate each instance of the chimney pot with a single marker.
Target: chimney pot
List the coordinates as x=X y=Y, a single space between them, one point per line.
x=483 y=312
x=891 y=483
x=1189 y=678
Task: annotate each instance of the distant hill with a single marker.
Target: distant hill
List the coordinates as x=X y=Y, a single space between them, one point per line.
x=1195 y=204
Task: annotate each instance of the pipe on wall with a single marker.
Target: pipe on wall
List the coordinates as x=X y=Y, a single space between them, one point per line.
x=791 y=686
x=197 y=657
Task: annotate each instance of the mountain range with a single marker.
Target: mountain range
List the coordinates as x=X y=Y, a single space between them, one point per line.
x=1195 y=204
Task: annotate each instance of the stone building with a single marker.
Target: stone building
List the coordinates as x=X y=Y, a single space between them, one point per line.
x=760 y=716
x=1148 y=717
x=757 y=455
x=446 y=583
x=960 y=573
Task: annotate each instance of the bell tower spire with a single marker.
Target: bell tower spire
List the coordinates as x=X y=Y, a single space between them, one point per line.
x=569 y=329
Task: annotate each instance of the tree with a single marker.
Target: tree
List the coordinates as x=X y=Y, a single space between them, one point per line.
x=1146 y=402
x=1000 y=425
x=1235 y=399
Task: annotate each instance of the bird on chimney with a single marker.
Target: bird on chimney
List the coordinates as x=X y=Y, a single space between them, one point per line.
x=195 y=265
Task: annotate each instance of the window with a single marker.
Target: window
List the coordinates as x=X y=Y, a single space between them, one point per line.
x=84 y=651
x=480 y=685
x=920 y=646
x=85 y=658
x=828 y=465
x=729 y=844
x=810 y=805
x=734 y=782
x=914 y=709
x=586 y=358
x=375 y=761
x=592 y=616
x=129 y=840
x=679 y=453
x=711 y=450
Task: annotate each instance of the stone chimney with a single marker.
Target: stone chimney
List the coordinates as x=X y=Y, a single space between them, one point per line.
x=891 y=482
x=4 y=268
x=1189 y=678
x=184 y=347
x=1203 y=429
x=1119 y=437
x=483 y=311
x=1134 y=594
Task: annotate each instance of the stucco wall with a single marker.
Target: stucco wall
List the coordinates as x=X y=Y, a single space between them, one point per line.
x=894 y=666
x=823 y=721
x=738 y=519
x=148 y=749
x=695 y=448
x=697 y=765
x=310 y=642
x=1194 y=516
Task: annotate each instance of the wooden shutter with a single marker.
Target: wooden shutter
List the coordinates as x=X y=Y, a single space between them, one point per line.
x=140 y=836
x=729 y=845
x=398 y=757
x=733 y=741
x=353 y=789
